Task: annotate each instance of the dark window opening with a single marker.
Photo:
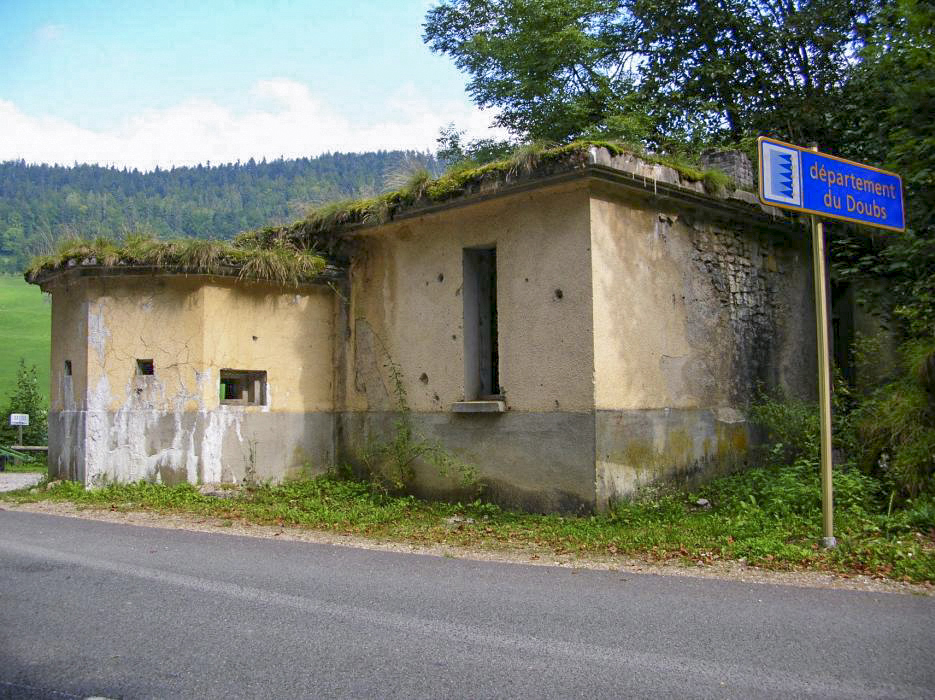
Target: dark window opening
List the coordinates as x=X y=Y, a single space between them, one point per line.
x=67 y=368
x=145 y=368
x=243 y=387
x=481 y=346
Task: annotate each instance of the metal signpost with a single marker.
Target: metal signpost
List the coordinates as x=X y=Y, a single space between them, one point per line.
x=19 y=419
x=804 y=180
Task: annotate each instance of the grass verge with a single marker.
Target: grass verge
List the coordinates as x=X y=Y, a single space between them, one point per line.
x=769 y=517
x=27 y=468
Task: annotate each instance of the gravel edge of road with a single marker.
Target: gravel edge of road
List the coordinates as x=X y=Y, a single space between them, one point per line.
x=728 y=570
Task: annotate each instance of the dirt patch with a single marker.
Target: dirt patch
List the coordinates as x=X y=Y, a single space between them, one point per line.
x=733 y=571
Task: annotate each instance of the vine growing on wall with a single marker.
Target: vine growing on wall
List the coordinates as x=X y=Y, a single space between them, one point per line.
x=391 y=463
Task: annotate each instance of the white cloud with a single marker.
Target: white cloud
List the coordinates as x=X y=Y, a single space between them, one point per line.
x=284 y=119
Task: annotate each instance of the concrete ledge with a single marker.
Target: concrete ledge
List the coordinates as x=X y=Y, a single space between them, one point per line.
x=478 y=407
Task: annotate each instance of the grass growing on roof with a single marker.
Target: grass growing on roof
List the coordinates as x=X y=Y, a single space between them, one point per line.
x=267 y=258
x=416 y=184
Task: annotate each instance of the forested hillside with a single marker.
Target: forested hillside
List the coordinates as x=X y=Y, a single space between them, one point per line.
x=41 y=203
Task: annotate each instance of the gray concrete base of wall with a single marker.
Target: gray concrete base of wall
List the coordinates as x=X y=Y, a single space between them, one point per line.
x=539 y=462
x=573 y=462
x=562 y=461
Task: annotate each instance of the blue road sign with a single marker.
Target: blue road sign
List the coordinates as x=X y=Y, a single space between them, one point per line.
x=792 y=177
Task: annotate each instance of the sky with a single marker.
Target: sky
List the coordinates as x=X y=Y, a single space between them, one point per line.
x=168 y=83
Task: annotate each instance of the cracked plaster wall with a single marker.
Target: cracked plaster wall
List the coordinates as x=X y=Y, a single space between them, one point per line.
x=171 y=426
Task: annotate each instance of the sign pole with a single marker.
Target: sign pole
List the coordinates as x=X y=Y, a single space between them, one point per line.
x=21 y=435
x=824 y=380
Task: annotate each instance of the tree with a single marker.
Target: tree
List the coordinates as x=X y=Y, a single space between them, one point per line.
x=553 y=68
x=890 y=99
x=452 y=151
x=26 y=398
x=660 y=71
x=885 y=111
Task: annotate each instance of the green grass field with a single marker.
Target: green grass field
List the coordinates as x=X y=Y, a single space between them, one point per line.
x=25 y=331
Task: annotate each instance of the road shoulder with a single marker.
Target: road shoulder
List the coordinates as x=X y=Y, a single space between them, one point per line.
x=733 y=571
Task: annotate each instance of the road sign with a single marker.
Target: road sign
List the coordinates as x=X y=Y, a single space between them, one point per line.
x=19 y=419
x=796 y=178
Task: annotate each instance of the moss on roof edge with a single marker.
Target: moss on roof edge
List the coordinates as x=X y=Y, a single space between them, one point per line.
x=322 y=224
x=291 y=255
x=279 y=263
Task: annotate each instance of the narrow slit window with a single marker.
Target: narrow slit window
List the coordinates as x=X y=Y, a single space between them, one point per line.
x=145 y=368
x=481 y=351
x=243 y=387
x=67 y=368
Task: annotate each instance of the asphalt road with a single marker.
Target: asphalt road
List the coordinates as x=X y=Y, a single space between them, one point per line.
x=97 y=609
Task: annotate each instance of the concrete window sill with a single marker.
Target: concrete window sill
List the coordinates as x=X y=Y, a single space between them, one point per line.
x=478 y=407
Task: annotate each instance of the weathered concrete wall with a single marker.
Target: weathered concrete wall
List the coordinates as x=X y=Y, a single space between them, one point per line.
x=171 y=426
x=689 y=318
x=68 y=394
x=405 y=307
x=639 y=447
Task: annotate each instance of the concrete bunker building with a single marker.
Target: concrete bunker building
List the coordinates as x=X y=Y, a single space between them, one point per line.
x=573 y=330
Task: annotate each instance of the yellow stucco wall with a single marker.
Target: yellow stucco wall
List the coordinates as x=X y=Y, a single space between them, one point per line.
x=158 y=318
x=639 y=309
x=406 y=304
x=289 y=335
x=187 y=327
x=691 y=314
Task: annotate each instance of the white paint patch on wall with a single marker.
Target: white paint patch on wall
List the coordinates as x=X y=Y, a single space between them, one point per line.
x=97 y=427
x=118 y=442
x=212 y=442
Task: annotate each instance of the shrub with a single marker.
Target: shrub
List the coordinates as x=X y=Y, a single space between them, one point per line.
x=792 y=429
x=25 y=398
x=896 y=425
